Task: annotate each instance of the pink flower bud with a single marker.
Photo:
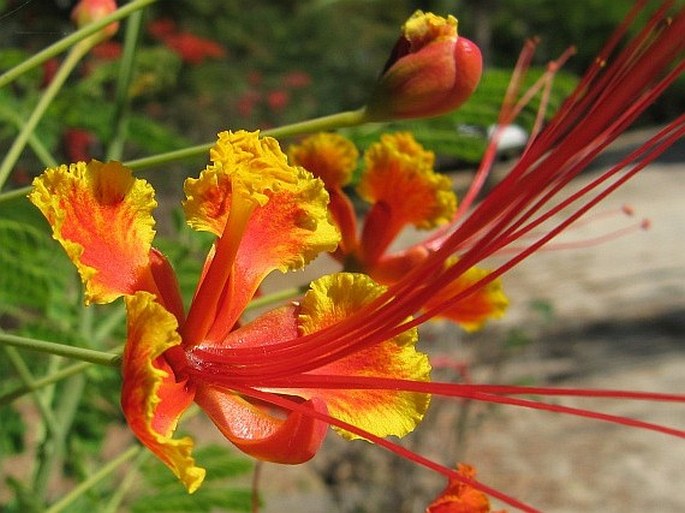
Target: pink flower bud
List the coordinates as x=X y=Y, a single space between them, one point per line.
x=430 y=72
x=89 y=11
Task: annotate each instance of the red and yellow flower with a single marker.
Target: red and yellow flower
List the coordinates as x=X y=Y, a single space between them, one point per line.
x=344 y=355
x=267 y=215
x=460 y=497
x=404 y=190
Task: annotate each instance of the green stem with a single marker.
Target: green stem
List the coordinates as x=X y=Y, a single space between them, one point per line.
x=276 y=297
x=54 y=449
x=70 y=62
x=93 y=480
x=67 y=42
x=340 y=120
x=16 y=193
x=331 y=122
x=34 y=142
x=27 y=378
x=39 y=383
x=131 y=477
x=122 y=105
x=75 y=353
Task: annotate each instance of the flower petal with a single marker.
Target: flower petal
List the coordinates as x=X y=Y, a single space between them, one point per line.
x=381 y=412
x=331 y=157
x=242 y=163
x=400 y=181
x=474 y=310
x=102 y=216
x=277 y=219
x=459 y=497
x=263 y=434
x=151 y=399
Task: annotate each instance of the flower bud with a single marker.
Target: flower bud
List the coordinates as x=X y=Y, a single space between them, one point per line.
x=430 y=72
x=89 y=11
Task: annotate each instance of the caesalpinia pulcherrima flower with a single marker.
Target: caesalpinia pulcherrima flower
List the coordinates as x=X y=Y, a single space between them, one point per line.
x=343 y=355
x=460 y=497
x=431 y=71
x=266 y=215
x=399 y=181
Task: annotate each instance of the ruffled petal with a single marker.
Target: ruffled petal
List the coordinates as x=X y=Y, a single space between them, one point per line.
x=331 y=157
x=151 y=399
x=399 y=172
x=400 y=181
x=208 y=200
x=102 y=216
x=459 y=497
x=488 y=302
x=269 y=435
x=277 y=219
x=332 y=299
x=243 y=164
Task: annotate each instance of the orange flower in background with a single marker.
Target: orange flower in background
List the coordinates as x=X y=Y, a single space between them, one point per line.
x=431 y=71
x=89 y=11
x=266 y=215
x=460 y=497
x=404 y=190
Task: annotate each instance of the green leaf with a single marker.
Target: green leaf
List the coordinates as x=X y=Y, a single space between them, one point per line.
x=36 y=273
x=165 y=494
x=12 y=431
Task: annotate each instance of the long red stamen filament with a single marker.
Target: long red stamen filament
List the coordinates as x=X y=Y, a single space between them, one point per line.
x=508 y=112
x=587 y=242
x=291 y=405
x=386 y=320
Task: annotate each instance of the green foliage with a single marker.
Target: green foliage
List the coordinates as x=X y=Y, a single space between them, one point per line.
x=165 y=494
x=35 y=277
x=186 y=250
x=12 y=427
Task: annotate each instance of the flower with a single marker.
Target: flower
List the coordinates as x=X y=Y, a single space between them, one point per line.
x=192 y=49
x=431 y=71
x=460 y=497
x=89 y=11
x=399 y=182
x=344 y=354
x=77 y=143
x=266 y=215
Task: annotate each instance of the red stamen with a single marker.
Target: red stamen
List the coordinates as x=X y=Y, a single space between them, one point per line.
x=290 y=405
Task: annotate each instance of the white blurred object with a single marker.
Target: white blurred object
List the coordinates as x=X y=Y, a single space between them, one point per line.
x=512 y=139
